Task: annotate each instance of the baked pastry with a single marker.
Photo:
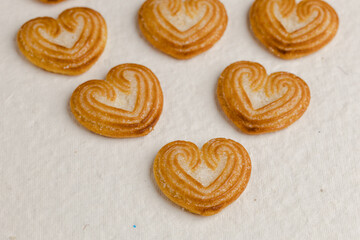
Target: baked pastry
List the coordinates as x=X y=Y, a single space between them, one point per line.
x=69 y=45
x=291 y=30
x=127 y=104
x=257 y=103
x=202 y=181
x=51 y=1
x=182 y=28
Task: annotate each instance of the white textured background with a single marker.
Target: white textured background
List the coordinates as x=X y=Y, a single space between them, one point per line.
x=59 y=181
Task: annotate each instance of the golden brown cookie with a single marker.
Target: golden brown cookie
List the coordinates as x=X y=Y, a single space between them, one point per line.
x=291 y=30
x=51 y=1
x=257 y=103
x=69 y=45
x=203 y=181
x=182 y=28
x=127 y=104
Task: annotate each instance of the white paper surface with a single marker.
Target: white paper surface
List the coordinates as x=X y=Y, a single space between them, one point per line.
x=59 y=181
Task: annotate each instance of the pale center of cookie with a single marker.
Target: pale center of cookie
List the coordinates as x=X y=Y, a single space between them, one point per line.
x=65 y=38
x=185 y=18
x=258 y=98
x=292 y=22
x=123 y=101
x=203 y=174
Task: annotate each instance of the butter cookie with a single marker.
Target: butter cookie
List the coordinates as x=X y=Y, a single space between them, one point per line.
x=291 y=30
x=127 y=104
x=202 y=181
x=182 y=28
x=69 y=45
x=257 y=103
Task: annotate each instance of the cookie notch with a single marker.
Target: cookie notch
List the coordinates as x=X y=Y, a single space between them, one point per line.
x=257 y=103
x=69 y=45
x=291 y=30
x=202 y=181
x=127 y=104
x=182 y=28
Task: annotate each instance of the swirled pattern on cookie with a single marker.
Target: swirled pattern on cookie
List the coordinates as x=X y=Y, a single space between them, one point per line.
x=182 y=28
x=127 y=104
x=202 y=181
x=69 y=45
x=257 y=103
x=291 y=30
x=51 y=1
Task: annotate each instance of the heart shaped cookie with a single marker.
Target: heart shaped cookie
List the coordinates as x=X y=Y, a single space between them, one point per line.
x=127 y=104
x=182 y=28
x=51 y=1
x=69 y=45
x=203 y=181
x=257 y=103
x=291 y=30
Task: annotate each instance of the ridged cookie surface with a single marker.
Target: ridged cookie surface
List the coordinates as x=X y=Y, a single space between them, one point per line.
x=202 y=181
x=69 y=45
x=257 y=103
x=182 y=28
x=127 y=104
x=291 y=30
